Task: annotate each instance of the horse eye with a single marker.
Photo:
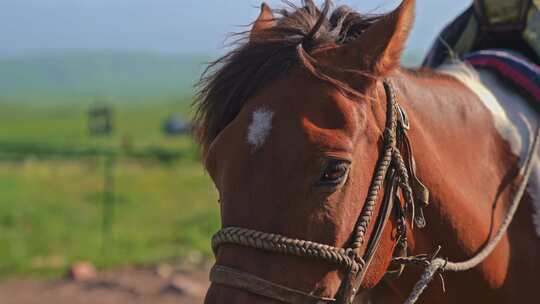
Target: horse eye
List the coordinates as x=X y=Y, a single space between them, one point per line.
x=334 y=173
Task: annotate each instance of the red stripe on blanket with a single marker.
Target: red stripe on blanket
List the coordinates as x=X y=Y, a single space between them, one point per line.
x=509 y=72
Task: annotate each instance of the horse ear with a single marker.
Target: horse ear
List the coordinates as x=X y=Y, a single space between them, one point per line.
x=265 y=20
x=382 y=44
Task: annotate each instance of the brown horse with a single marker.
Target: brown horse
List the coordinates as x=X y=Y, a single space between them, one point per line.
x=294 y=123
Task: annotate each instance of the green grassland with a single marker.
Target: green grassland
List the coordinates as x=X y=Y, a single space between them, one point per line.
x=51 y=209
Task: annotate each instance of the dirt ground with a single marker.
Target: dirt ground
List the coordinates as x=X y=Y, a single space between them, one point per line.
x=163 y=285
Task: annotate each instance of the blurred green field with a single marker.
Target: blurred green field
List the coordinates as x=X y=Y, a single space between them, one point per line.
x=51 y=209
x=64 y=119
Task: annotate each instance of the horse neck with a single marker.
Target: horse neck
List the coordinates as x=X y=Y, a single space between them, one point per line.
x=462 y=159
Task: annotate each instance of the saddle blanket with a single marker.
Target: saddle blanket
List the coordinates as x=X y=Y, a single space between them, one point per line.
x=517 y=69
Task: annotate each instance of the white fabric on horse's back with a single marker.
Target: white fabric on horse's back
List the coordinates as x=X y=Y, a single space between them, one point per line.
x=513 y=115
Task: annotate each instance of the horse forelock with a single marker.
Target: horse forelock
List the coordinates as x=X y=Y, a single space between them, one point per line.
x=254 y=62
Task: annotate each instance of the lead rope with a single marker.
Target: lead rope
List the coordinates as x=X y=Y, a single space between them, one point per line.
x=438 y=265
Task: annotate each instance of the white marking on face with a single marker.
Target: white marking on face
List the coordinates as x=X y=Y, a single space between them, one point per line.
x=514 y=118
x=259 y=129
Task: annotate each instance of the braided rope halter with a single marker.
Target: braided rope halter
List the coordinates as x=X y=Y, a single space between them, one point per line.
x=391 y=169
x=397 y=173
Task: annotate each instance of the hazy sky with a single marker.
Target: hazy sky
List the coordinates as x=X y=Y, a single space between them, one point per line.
x=173 y=26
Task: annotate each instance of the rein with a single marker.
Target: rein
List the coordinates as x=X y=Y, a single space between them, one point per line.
x=438 y=265
x=393 y=171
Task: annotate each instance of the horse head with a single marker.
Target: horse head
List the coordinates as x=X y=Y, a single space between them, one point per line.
x=293 y=124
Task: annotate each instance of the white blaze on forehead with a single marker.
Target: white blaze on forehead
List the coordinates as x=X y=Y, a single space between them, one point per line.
x=259 y=129
x=514 y=118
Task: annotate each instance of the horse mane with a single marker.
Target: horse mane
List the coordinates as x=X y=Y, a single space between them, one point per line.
x=228 y=82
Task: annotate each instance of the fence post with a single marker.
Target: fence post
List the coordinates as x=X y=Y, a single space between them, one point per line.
x=108 y=197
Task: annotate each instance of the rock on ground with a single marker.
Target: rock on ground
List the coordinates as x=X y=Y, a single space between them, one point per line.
x=127 y=286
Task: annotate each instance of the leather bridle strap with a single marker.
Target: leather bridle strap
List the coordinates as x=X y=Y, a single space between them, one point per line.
x=384 y=215
x=248 y=282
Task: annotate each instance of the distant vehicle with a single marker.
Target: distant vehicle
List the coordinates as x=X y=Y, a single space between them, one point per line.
x=175 y=125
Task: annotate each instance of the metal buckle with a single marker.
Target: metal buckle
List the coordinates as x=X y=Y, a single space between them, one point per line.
x=403 y=118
